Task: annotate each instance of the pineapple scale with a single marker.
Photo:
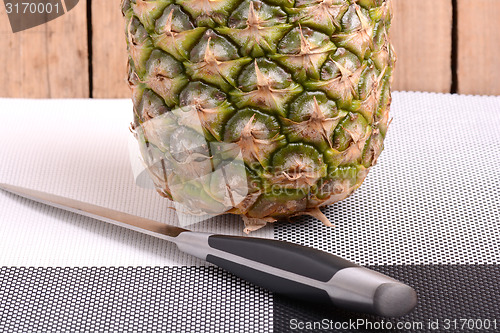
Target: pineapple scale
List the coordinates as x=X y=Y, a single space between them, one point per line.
x=298 y=89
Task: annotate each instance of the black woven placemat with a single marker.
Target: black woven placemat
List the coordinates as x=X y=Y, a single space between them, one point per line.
x=207 y=299
x=134 y=299
x=448 y=295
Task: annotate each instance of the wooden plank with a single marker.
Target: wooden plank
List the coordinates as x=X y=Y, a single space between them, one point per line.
x=109 y=50
x=478 y=47
x=421 y=33
x=48 y=61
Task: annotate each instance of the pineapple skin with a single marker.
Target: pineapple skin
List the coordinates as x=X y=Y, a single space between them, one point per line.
x=301 y=89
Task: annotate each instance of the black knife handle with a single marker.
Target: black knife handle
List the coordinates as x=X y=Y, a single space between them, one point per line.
x=272 y=282
x=290 y=257
x=302 y=272
x=301 y=260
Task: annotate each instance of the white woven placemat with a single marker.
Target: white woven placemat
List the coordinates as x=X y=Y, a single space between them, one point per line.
x=433 y=197
x=428 y=214
x=80 y=149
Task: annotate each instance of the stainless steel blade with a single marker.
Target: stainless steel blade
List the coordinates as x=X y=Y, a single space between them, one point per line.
x=351 y=286
x=140 y=224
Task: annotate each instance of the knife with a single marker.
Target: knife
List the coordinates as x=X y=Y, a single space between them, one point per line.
x=285 y=268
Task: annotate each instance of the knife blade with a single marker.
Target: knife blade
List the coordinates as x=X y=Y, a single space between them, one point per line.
x=293 y=270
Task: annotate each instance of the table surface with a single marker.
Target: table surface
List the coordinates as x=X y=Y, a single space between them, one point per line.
x=428 y=214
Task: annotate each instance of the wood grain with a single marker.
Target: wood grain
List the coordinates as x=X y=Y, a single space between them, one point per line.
x=109 y=50
x=49 y=61
x=478 y=47
x=421 y=33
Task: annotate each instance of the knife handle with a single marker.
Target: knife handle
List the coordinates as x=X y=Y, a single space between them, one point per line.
x=303 y=273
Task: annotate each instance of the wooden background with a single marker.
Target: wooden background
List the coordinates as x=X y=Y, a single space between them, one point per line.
x=442 y=46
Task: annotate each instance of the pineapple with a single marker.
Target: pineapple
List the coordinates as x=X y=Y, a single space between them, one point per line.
x=264 y=108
